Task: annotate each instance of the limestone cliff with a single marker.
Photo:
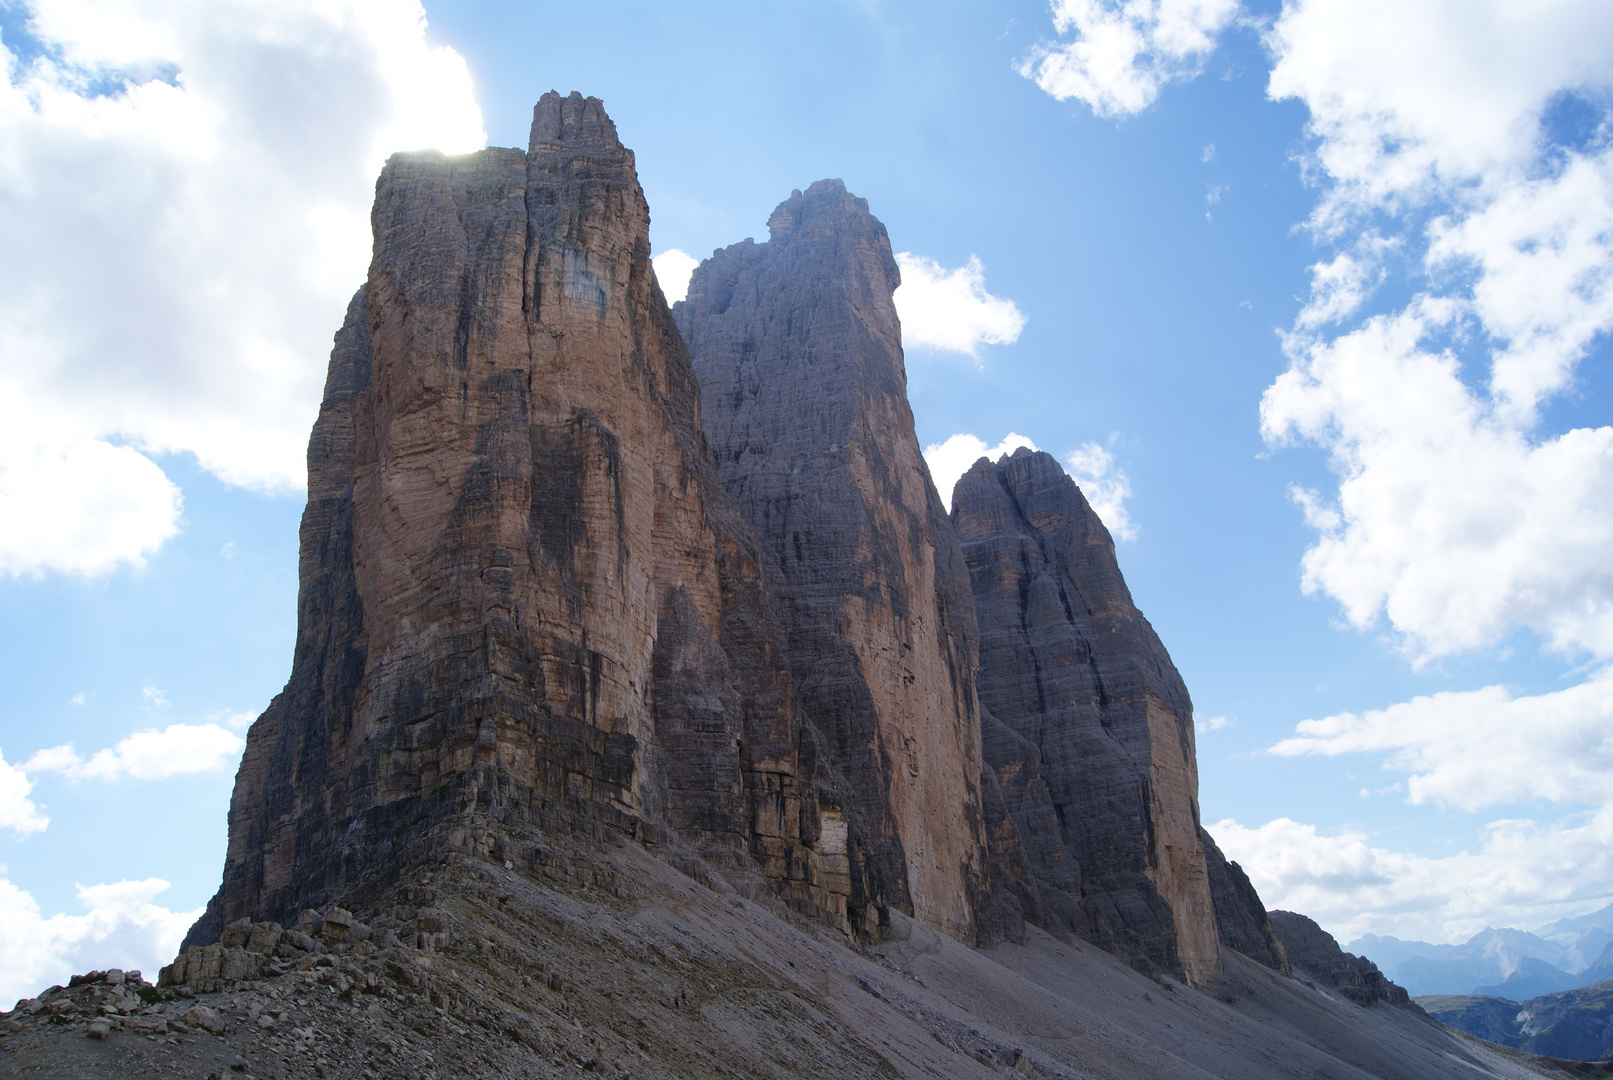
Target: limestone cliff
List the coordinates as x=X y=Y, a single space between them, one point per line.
x=797 y=347
x=524 y=593
x=1089 y=729
x=1314 y=953
x=1241 y=920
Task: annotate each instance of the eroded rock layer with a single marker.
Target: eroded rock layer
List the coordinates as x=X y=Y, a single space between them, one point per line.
x=1089 y=728
x=1241 y=921
x=523 y=591
x=797 y=347
x=1314 y=952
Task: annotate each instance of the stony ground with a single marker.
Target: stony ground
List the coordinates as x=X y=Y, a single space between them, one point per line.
x=618 y=965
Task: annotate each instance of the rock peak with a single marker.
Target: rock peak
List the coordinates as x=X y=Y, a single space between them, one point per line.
x=573 y=120
x=797 y=347
x=826 y=204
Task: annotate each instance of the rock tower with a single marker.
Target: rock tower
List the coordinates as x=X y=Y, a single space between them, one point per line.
x=798 y=350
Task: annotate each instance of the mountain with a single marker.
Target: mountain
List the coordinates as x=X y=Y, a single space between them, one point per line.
x=1510 y=963
x=797 y=348
x=635 y=724
x=1531 y=978
x=1088 y=728
x=1575 y=1024
x=1312 y=951
x=1485 y=959
x=524 y=593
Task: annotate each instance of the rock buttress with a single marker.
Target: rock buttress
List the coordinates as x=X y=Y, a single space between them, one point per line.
x=1241 y=921
x=523 y=589
x=797 y=347
x=1314 y=952
x=1091 y=736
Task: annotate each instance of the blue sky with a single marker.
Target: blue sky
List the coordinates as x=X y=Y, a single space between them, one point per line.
x=1315 y=293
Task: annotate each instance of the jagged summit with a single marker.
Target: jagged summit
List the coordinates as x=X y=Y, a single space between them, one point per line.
x=797 y=346
x=574 y=121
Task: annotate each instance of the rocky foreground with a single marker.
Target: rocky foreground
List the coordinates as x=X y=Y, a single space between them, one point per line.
x=515 y=953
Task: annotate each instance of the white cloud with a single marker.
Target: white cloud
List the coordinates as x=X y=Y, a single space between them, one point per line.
x=1472 y=749
x=240 y=721
x=154 y=697
x=77 y=699
x=180 y=252
x=1456 y=517
x=1124 y=51
x=17 y=811
x=146 y=755
x=949 y=460
x=1106 y=487
x=73 y=503
x=1342 y=284
x=1520 y=869
x=673 y=268
x=121 y=928
x=950 y=310
x=1410 y=102
x=1449 y=521
x=1202 y=724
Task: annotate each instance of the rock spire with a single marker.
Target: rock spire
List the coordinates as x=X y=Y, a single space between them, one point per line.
x=1088 y=727
x=524 y=593
x=797 y=346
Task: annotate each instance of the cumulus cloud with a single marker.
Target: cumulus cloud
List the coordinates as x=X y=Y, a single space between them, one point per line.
x=1124 y=51
x=1456 y=517
x=72 y=503
x=184 y=195
x=146 y=755
x=1473 y=749
x=17 y=811
x=673 y=268
x=950 y=310
x=1448 y=520
x=121 y=927
x=949 y=460
x=1106 y=487
x=1521 y=868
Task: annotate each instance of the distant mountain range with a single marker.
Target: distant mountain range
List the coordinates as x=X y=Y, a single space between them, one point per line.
x=1507 y=963
x=1572 y=1024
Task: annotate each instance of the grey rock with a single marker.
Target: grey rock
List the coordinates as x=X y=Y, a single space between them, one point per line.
x=1240 y=918
x=797 y=347
x=201 y=1016
x=1087 y=725
x=1313 y=952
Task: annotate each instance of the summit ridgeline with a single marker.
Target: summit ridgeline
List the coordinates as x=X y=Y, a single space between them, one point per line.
x=650 y=716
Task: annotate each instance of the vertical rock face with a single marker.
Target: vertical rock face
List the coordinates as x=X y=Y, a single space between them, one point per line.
x=523 y=588
x=804 y=399
x=1241 y=921
x=1090 y=729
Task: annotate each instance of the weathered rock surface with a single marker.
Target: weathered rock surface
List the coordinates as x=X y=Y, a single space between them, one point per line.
x=797 y=347
x=1313 y=952
x=1089 y=729
x=523 y=588
x=1241 y=921
x=601 y=960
